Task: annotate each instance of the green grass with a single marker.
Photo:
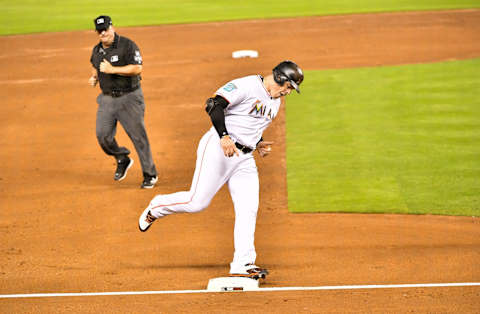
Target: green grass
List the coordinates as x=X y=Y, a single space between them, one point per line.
x=403 y=139
x=30 y=16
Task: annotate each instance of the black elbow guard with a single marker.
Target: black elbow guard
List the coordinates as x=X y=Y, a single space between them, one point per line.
x=210 y=104
x=213 y=102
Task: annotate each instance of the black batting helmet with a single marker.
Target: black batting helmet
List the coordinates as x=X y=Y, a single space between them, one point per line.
x=288 y=71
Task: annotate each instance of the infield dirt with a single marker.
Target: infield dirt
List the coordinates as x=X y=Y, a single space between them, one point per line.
x=66 y=226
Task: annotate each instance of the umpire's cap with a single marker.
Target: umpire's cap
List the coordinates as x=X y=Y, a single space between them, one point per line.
x=102 y=23
x=288 y=71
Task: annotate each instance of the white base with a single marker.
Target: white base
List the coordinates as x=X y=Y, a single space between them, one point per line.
x=245 y=53
x=224 y=284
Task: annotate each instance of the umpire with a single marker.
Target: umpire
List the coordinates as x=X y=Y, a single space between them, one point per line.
x=117 y=64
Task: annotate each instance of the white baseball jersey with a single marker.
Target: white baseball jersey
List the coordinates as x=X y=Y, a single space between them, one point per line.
x=250 y=110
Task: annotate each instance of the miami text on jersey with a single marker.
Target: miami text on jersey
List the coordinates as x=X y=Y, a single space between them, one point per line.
x=260 y=109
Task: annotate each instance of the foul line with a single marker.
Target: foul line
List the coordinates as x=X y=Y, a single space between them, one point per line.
x=89 y=294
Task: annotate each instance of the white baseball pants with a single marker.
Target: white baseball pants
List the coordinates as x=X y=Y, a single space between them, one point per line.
x=212 y=171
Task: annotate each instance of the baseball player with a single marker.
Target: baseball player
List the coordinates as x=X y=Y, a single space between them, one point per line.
x=240 y=111
x=117 y=64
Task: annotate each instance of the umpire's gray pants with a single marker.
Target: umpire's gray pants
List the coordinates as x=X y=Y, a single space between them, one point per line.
x=129 y=110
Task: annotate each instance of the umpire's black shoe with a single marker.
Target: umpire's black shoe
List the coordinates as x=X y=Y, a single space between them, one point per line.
x=122 y=167
x=149 y=181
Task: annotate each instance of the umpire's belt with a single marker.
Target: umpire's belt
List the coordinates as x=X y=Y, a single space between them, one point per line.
x=244 y=149
x=118 y=93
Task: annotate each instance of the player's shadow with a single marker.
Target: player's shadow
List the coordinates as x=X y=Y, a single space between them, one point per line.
x=176 y=266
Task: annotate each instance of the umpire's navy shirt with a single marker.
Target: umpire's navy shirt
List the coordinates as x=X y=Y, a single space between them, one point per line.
x=123 y=51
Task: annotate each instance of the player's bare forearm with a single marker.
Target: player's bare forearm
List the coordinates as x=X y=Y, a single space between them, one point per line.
x=125 y=70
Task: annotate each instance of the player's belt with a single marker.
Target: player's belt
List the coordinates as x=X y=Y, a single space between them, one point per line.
x=244 y=149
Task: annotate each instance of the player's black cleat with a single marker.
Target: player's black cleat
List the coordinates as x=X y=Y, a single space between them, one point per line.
x=122 y=167
x=251 y=271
